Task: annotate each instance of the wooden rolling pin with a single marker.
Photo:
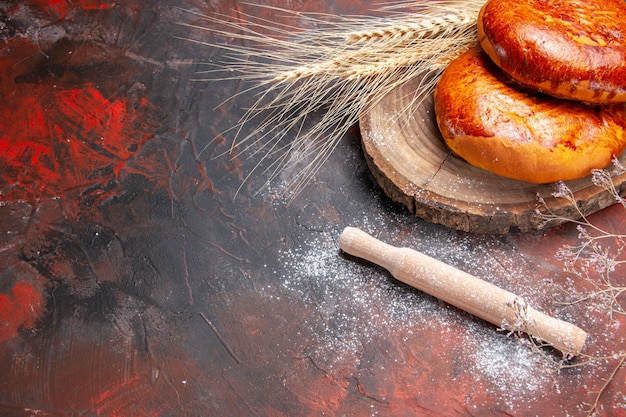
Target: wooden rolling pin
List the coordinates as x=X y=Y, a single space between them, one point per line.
x=478 y=297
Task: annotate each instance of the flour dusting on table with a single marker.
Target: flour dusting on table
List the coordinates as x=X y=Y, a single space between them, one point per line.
x=357 y=302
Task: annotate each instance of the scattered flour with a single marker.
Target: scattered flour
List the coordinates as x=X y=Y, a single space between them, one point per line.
x=358 y=302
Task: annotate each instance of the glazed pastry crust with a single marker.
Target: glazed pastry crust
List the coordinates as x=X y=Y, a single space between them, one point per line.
x=572 y=49
x=493 y=124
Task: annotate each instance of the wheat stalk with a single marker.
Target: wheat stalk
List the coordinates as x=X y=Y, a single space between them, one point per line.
x=420 y=26
x=344 y=66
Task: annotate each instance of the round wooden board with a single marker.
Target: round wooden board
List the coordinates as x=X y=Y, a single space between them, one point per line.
x=409 y=159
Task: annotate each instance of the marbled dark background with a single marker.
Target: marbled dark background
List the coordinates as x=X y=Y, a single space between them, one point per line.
x=135 y=281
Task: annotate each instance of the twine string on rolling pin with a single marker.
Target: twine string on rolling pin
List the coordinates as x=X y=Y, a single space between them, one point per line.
x=465 y=291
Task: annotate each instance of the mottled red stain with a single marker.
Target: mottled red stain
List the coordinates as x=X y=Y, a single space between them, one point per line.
x=85 y=118
x=19 y=308
x=24 y=157
x=52 y=140
x=58 y=135
x=61 y=8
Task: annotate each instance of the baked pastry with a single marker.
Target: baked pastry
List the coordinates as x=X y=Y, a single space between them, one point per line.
x=493 y=124
x=573 y=49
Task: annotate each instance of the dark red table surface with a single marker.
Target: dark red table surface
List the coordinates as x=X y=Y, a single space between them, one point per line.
x=135 y=281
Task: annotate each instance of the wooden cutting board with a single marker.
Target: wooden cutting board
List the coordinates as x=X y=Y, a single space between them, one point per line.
x=407 y=156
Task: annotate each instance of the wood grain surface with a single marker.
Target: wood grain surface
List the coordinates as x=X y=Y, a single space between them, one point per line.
x=410 y=161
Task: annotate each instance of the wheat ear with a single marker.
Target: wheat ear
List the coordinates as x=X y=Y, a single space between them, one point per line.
x=344 y=66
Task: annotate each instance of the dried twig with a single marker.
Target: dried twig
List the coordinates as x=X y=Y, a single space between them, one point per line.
x=595 y=405
x=595 y=259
